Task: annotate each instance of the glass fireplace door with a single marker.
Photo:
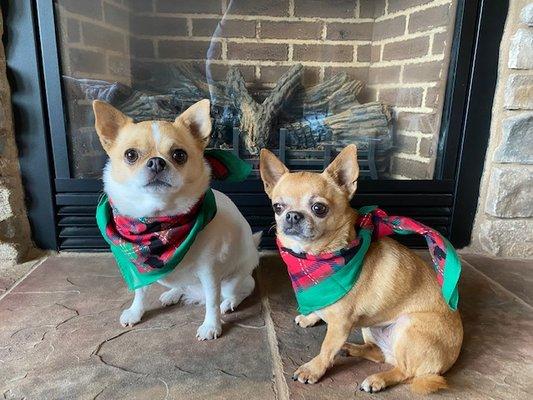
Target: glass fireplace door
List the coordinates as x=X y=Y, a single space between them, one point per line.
x=297 y=77
x=303 y=78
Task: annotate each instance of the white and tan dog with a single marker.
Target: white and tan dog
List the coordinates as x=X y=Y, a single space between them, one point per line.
x=157 y=168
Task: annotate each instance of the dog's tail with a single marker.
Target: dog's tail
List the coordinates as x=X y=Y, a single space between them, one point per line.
x=256 y=237
x=427 y=384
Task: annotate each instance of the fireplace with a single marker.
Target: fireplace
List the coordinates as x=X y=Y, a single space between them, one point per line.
x=299 y=77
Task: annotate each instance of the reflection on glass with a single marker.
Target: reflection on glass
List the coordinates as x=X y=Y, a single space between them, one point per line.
x=295 y=76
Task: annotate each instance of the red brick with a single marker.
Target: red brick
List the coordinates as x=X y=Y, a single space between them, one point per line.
x=360 y=74
x=410 y=168
x=379 y=8
x=389 y=28
x=439 y=42
x=349 y=31
x=401 y=5
x=406 y=144
x=159 y=26
x=219 y=72
x=402 y=97
x=188 y=6
x=257 y=51
x=275 y=8
x=322 y=52
x=422 y=72
x=116 y=16
x=98 y=36
x=432 y=96
x=384 y=74
x=319 y=8
x=369 y=8
x=119 y=65
x=81 y=60
x=271 y=74
x=429 y=19
x=90 y=9
x=406 y=49
x=142 y=48
x=185 y=49
x=138 y=5
x=375 y=53
x=367 y=95
x=426 y=148
x=73 y=30
x=228 y=28
x=291 y=30
x=416 y=122
x=363 y=53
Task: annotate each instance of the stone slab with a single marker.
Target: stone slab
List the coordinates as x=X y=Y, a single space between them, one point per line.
x=519 y=92
x=521 y=50
x=517 y=140
x=60 y=339
x=510 y=192
x=495 y=362
x=514 y=275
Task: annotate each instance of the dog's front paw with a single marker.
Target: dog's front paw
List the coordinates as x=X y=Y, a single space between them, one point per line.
x=208 y=331
x=170 y=297
x=305 y=321
x=372 y=384
x=130 y=316
x=310 y=372
x=227 y=305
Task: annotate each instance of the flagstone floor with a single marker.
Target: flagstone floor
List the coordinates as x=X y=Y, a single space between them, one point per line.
x=60 y=339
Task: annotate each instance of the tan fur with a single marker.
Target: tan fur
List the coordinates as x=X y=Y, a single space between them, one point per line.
x=395 y=285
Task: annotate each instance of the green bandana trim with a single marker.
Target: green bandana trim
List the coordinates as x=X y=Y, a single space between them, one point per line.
x=125 y=257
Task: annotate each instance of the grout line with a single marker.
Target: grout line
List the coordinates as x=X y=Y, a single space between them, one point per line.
x=497 y=284
x=281 y=388
x=37 y=263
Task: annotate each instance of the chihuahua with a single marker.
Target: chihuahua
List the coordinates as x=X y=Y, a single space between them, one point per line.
x=157 y=168
x=396 y=300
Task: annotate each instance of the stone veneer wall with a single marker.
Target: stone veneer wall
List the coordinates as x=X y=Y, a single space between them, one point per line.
x=399 y=47
x=504 y=223
x=15 y=236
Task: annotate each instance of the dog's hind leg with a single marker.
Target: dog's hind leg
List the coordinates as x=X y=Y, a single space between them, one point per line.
x=375 y=383
x=132 y=315
x=234 y=291
x=368 y=351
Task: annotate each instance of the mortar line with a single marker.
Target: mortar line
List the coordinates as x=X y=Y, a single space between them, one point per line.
x=37 y=263
x=281 y=388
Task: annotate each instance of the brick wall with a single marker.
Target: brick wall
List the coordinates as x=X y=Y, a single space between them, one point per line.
x=400 y=47
x=15 y=236
x=504 y=220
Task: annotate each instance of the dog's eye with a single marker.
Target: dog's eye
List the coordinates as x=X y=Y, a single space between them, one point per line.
x=131 y=155
x=180 y=156
x=278 y=208
x=319 y=209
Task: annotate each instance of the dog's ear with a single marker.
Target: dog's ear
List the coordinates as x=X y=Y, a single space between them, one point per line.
x=197 y=119
x=344 y=170
x=108 y=121
x=271 y=169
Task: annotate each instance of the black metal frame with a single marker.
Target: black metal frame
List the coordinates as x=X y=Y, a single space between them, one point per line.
x=452 y=198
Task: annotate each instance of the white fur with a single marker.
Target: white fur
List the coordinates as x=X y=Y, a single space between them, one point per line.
x=217 y=268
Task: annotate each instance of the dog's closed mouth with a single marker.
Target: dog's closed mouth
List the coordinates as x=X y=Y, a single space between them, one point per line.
x=157 y=183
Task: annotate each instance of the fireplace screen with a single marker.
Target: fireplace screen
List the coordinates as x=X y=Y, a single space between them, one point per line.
x=301 y=77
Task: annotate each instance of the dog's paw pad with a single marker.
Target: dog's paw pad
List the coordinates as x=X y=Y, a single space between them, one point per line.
x=227 y=305
x=130 y=317
x=308 y=373
x=372 y=384
x=303 y=321
x=208 y=331
x=170 y=297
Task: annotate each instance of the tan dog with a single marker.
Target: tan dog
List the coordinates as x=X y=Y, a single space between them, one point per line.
x=396 y=300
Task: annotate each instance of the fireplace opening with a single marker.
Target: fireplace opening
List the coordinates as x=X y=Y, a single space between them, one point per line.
x=296 y=77
x=409 y=82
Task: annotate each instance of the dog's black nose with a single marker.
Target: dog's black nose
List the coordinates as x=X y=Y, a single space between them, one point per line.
x=293 y=217
x=156 y=164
